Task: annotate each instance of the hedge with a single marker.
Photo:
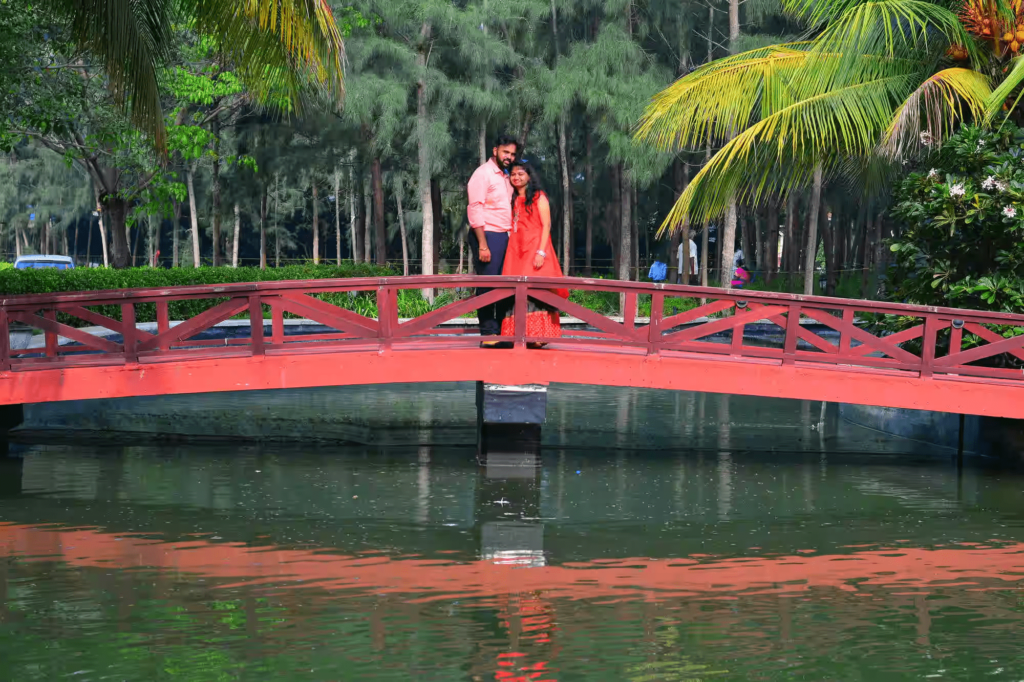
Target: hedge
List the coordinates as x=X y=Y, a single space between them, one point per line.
x=48 y=280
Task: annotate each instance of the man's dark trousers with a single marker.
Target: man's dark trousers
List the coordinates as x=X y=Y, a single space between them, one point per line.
x=490 y=316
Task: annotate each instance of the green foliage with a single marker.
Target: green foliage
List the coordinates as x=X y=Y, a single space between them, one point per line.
x=963 y=216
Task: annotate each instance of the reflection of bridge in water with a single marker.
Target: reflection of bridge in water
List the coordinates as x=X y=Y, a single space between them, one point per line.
x=524 y=538
x=824 y=351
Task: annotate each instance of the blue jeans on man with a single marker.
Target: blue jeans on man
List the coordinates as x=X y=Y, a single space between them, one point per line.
x=490 y=316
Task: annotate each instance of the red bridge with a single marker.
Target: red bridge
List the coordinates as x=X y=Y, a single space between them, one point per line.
x=821 y=349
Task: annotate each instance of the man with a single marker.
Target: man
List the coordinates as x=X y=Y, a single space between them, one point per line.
x=690 y=276
x=490 y=220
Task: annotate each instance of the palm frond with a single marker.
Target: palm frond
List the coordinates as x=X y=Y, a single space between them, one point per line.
x=1012 y=81
x=946 y=99
x=721 y=98
x=782 y=149
x=130 y=38
x=277 y=45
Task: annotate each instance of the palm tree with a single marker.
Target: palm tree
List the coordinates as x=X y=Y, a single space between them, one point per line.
x=277 y=46
x=874 y=78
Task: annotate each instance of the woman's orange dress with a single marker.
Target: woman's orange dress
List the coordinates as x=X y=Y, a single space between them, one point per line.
x=523 y=244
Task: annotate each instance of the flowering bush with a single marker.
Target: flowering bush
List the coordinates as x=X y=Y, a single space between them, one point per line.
x=962 y=238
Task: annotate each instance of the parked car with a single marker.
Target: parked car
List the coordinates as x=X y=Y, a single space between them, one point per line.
x=37 y=261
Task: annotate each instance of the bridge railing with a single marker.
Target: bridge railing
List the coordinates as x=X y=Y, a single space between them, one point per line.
x=791 y=329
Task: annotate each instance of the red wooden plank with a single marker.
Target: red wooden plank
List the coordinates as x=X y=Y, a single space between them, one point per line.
x=806 y=334
x=5 y=341
x=719 y=325
x=519 y=312
x=129 y=333
x=277 y=323
x=889 y=349
x=332 y=312
x=694 y=313
x=201 y=322
x=987 y=335
x=256 y=324
x=328 y=319
x=792 y=334
x=52 y=342
x=57 y=328
x=654 y=328
x=1014 y=343
x=584 y=314
x=450 y=312
x=93 y=318
x=898 y=337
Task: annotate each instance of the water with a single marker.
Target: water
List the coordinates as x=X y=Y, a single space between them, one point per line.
x=744 y=553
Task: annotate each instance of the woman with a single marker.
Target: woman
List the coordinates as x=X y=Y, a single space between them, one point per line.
x=530 y=251
x=741 y=276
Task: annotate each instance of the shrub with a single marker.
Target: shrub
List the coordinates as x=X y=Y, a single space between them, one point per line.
x=13 y=282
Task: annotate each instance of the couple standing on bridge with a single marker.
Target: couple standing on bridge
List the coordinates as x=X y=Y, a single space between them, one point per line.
x=510 y=221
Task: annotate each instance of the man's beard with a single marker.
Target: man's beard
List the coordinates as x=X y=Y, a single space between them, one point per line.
x=504 y=164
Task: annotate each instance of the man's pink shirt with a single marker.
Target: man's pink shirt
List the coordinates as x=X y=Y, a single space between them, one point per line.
x=490 y=199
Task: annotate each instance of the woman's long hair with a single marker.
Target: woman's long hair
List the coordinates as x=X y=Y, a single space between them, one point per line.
x=532 y=187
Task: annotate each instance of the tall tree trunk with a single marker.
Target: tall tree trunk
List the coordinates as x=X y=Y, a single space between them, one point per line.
x=216 y=192
x=358 y=231
x=316 y=223
x=74 y=241
x=337 y=215
x=789 y=239
x=704 y=262
x=812 y=232
x=728 y=248
x=746 y=230
x=263 y=228
x=88 y=246
x=353 y=219
x=114 y=208
x=625 y=233
x=234 y=240
x=368 y=217
x=175 y=234
x=772 y=246
x=878 y=261
x=153 y=244
x=613 y=216
x=277 y=229
x=438 y=209
x=193 y=215
x=44 y=236
x=423 y=156
x=135 y=245
x=483 y=141
x=589 y=171
x=634 y=226
x=625 y=227
x=831 y=248
x=563 y=158
x=64 y=240
x=401 y=226
x=378 y=214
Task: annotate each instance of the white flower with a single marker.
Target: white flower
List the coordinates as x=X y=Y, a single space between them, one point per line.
x=926 y=138
x=957 y=190
x=1009 y=211
x=981 y=143
x=989 y=183
x=933 y=173
x=1001 y=186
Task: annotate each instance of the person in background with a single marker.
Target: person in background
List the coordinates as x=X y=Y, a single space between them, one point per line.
x=740 y=277
x=490 y=221
x=693 y=270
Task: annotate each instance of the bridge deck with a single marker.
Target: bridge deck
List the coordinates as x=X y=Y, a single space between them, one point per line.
x=871 y=353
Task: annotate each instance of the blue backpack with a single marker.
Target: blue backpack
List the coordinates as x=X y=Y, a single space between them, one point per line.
x=658 y=271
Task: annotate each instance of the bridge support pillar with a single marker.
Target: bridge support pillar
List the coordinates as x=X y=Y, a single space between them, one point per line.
x=10 y=416
x=509 y=418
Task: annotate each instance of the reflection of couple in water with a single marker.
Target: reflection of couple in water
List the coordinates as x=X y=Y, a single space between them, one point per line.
x=510 y=218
